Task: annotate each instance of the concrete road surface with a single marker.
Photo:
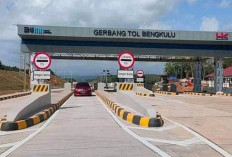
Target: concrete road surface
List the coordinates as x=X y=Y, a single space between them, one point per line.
x=82 y=128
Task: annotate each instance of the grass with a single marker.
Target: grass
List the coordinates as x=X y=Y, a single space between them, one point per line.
x=12 y=81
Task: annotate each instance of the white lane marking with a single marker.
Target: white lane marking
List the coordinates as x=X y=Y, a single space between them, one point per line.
x=190 y=141
x=15 y=132
x=154 y=129
x=179 y=143
x=211 y=144
x=33 y=134
x=8 y=145
x=146 y=143
x=171 y=100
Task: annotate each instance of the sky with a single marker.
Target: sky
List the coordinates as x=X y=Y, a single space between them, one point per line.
x=204 y=15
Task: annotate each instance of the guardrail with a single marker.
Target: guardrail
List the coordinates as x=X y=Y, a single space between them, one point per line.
x=130 y=117
x=33 y=120
x=14 y=95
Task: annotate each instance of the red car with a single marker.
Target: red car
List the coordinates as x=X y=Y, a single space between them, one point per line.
x=83 y=88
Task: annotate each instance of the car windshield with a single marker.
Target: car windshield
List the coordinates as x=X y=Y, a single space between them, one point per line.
x=82 y=84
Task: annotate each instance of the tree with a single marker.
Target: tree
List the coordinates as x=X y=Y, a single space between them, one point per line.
x=227 y=62
x=180 y=69
x=0 y=64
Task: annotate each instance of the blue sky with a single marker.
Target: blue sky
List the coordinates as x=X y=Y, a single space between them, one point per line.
x=204 y=15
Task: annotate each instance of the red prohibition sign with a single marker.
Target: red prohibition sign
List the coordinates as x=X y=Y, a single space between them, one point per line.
x=126 y=59
x=42 y=64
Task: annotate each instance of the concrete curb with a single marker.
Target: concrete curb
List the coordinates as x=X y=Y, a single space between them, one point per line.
x=167 y=93
x=132 y=118
x=140 y=84
x=145 y=94
x=197 y=94
x=33 y=120
x=224 y=94
x=14 y=95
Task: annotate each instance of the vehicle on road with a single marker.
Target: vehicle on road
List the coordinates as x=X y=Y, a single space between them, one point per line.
x=110 y=87
x=83 y=88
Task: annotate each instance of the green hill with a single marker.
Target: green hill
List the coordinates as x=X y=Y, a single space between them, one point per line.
x=12 y=81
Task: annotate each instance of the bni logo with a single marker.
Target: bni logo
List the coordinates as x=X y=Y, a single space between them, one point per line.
x=36 y=30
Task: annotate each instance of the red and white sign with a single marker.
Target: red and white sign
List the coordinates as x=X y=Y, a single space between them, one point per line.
x=42 y=60
x=140 y=73
x=222 y=36
x=126 y=60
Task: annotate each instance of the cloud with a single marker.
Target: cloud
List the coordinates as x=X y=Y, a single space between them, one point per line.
x=80 y=13
x=91 y=13
x=209 y=24
x=225 y=4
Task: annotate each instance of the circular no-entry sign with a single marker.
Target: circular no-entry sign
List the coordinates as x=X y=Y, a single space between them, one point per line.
x=126 y=60
x=140 y=73
x=42 y=60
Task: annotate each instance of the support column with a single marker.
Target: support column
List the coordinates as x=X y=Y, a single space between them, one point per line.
x=218 y=74
x=197 y=76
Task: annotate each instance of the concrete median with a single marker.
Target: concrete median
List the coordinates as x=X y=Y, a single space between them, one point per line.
x=167 y=93
x=197 y=94
x=141 y=91
x=36 y=102
x=130 y=117
x=15 y=95
x=6 y=125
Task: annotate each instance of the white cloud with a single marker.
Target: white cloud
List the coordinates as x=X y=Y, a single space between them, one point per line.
x=156 y=25
x=91 y=13
x=101 y=13
x=225 y=4
x=209 y=24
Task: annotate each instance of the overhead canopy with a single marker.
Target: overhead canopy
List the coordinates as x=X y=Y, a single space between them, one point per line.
x=56 y=39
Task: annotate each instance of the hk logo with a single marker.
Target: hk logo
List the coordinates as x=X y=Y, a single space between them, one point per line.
x=222 y=36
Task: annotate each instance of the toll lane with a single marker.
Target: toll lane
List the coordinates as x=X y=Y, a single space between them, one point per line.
x=83 y=128
x=209 y=116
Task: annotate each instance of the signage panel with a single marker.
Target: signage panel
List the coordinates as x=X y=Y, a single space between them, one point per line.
x=125 y=74
x=43 y=75
x=140 y=80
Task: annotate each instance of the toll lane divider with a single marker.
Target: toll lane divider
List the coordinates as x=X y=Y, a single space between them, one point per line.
x=197 y=94
x=14 y=96
x=145 y=94
x=224 y=94
x=130 y=117
x=126 y=86
x=140 y=84
x=167 y=93
x=33 y=120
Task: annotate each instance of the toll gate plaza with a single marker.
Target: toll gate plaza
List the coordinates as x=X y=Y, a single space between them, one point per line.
x=129 y=120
